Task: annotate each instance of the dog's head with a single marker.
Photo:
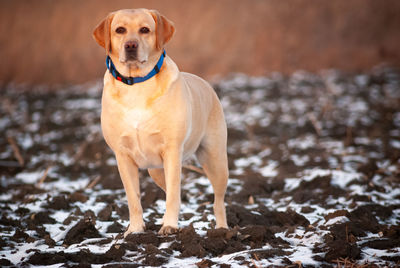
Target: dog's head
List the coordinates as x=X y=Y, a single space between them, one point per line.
x=134 y=35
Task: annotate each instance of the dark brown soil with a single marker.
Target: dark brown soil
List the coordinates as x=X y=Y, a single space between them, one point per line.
x=314 y=179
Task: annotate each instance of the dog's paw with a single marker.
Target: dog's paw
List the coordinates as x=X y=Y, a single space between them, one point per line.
x=224 y=226
x=167 y=230
x=134 y=229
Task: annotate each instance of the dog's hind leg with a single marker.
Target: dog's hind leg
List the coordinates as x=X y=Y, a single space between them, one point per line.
x=213 y=158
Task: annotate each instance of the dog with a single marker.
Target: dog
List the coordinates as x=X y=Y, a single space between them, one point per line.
x=154 y=116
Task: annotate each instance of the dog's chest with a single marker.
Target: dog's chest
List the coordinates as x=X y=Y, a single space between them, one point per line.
x=142 y=140
x=134 y=131
x=139 y=119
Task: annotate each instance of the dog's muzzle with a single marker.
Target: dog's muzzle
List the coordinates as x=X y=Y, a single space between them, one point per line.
x=131 y=48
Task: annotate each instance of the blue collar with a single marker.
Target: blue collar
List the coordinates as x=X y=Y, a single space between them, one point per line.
x=133 y=80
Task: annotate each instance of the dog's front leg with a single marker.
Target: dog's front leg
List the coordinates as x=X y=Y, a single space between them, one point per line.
x=130 y=178
x=172 y=168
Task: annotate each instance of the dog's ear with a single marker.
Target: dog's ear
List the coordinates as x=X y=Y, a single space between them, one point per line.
x=102 y=33
x=164 y=29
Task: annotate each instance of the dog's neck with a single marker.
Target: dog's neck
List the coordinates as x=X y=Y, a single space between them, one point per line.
x=135 y=72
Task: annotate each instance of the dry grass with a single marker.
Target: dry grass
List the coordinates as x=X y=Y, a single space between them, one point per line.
x=347 y=263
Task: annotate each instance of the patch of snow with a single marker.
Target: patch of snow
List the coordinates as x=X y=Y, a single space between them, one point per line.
x=4 y=122
x=395 y=133
x=395 y=144
x=303 y=246
x=264 y=153
x=335 y=220
x=299 y=160
x=369 y=254
x=361 y=80
x=291 y=184
x=260 y=82
x=245 y=162
x=339 y=178
x=302 y=143
x=82 y=104
x=354 y=158
x=29 y=177
x=111 y=161
x=270 y=169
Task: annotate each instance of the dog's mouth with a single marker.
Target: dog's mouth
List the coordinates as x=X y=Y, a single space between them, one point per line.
x=131 y=56
x=132 y=59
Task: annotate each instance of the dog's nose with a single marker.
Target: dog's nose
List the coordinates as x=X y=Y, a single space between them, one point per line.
x=131 y=46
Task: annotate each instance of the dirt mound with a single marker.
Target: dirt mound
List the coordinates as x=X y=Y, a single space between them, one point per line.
x=82 y=230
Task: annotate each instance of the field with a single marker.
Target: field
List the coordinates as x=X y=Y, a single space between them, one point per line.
x=314 y=179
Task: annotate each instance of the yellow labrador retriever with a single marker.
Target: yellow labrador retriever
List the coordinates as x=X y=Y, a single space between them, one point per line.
x=154 y=116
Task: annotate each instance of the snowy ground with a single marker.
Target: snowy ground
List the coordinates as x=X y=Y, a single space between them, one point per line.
x=314 y=179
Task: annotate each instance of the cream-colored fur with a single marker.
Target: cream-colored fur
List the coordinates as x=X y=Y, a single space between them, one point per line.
x=158 y=123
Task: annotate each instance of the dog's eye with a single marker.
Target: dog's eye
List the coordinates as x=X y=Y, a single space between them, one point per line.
x=120 y=30
x=144 y=30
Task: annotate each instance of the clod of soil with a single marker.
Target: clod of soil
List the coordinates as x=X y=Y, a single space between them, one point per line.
x=82 y=230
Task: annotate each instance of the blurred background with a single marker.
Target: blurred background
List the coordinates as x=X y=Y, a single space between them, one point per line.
x=50 y=42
